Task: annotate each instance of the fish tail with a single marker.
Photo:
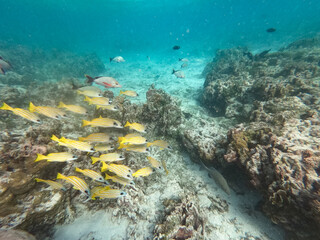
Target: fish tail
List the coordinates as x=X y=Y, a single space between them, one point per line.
x=120 y=139
x=85 y=123
x=104 y=167
x=55 y=138
x=173 y=71
x=6 y=107
x=108 y=177
x=94 y=160
x=61 y=105
x=87 y=99
x=111 y=59
x=127 y=124
x=81 y=139
x=32 y=107
x=40 y=157
x=60 y=176
x=149 y=144
x=78 y=170
x=89 y=79
x=38 y=180
x=121 y=92
x=121 y=146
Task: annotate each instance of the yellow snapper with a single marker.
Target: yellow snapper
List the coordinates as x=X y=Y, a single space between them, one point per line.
x=135 y=148
x=108 y=107
x=53 y=184
x=50 y=112
x=129 y=93
x=154 y=163
x=159 y=143
x=138 y=140
x=97 y=189
x=73 y=108
x=98 y=101
x=78 y=183
x=96 y=137
x=143 y=172
x=102 y=122
x=83 y=146
x=164 y=165
x=121 y=170
x=90 y=93
x=108 y=193
x=56 y=157
x=93 y=175
x=103 y=147
x=120 y=180
x=22 y=113
x=136 y=126
x=109 y=157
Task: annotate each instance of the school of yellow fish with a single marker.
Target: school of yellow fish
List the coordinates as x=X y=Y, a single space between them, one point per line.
x=110 y=166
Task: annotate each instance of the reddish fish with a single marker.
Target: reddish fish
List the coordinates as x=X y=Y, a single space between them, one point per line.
x=107 y=82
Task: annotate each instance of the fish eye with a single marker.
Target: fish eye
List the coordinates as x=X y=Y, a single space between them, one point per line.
x=101 y=179
x=92 y=149
x=122 y=193
x=74 y=156
x=87 y=192
x=65 y=115
x=148 y=149
x=121 y=156
x=57 y=116
x=132 y=183
x=99 y=95
x=129 y=176
x=130 y=170
x=115 y=124
x=38 y=120
x=146 y=140
x=116 y=108
x=110 y=101
x=87 y=112
x=169 y=147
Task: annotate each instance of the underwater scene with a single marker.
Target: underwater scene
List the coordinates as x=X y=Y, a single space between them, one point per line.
x=160 y=120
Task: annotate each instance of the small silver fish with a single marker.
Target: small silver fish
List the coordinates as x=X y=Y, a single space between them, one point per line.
x=178 y=73
x=117 y=59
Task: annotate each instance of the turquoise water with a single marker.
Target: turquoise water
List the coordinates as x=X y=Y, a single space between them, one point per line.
x=53 y=42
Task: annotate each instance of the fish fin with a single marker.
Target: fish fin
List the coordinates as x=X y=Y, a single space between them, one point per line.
x=60 y=176
x=94 y=160
x=2 y=71
x=127 y=124
x=81 y=139
x=40 y=157
x=78 y=170
x=89 y=79
x=85 y=123
x=61 y=105
x=100 y=116
x=6 y=107
x=55 y=138
x=79 y=92
x=32 y=107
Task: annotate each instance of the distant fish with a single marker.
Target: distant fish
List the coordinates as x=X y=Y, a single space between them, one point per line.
x=136 y=126
x=117 y=59
x=108 y=107
x=56 y=157
x=93 y=175
x=52 y=184
x=78 y=183
x=102 y=122
x=176 y=47
x=50 y=112
x=22 y=113
x=107 y=82
x=218 y=178
x=103 y=101
x=129 y=93
x=108 y=193
x=178 y=73
x=143 y=172
x=164 y=165
x=4 y=66
x=154 y=163
x=184 y=65
x=73 y=108
x=183 y=60
x=109 y=157
x=271 y=30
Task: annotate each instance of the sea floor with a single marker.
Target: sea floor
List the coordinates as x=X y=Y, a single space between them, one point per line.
x=241 y=221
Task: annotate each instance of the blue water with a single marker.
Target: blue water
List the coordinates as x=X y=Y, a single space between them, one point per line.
x=112 y=27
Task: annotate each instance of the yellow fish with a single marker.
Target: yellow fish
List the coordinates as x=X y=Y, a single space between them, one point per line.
x=154 y=163
x=98 y=101
x=164 y=165
x=95 y=190
x=56 y=157
x=90 y=93
x=22 y=113
x=103 y=147
x=129 y=93
x=52 y=184
x=83 y=146
x=143 y=172
x=109 y=157
x=93 y=175
x=78 y=183
x=102 y=122
x=120 y=180
x=135 y=148
x=73 y=108
x=96 y=137
x=108 y=193
x=136 y=126
x=121 y=170
x=132 y=140
x=108 y=107
x=50 y=112
x=159 y=143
